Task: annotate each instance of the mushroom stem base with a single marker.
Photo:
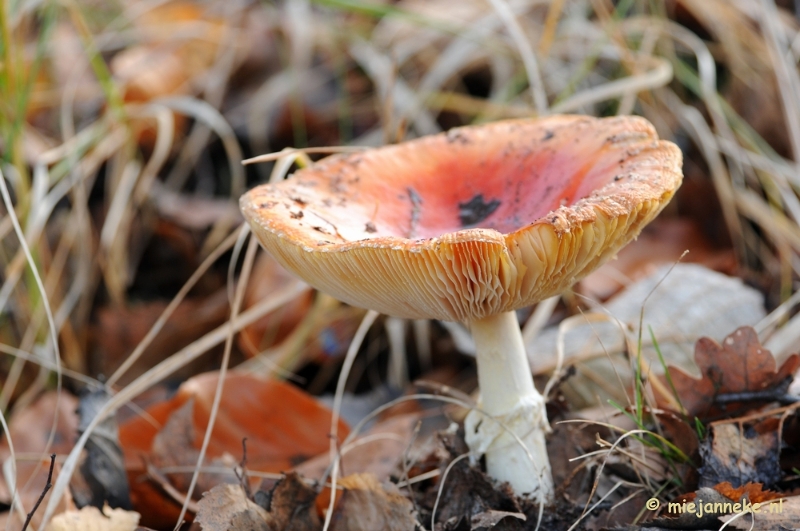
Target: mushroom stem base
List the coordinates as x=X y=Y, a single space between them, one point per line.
x=514 y=446
x=511 y=430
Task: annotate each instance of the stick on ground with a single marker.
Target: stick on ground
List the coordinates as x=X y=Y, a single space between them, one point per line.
x=44 y=492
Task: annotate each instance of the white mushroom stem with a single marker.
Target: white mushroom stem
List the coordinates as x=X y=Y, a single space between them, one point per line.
x=509 y=397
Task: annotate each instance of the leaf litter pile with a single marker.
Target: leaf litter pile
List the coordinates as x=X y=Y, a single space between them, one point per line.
x=180 y=377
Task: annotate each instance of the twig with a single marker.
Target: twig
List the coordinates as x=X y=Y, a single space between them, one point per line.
x=243 y=477
x=44 y=492
x=777 y=393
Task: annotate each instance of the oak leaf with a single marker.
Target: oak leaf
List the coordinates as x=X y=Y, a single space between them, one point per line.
x=752 y=491
x=737 y=375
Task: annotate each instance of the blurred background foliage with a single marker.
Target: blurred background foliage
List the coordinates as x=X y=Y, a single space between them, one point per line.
x=124 y=124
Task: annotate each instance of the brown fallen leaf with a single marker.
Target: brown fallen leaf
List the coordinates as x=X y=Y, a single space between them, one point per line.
x=364 y=504
x=283 y=425
x=752 y=491
x=568 y=471
x=174 y=446
x=29 y=429
x=740 y=454
x=466 y=491
x=226 y=507
x=680 y=433
x=180 y=45
x=500 y=519
x=774 y=515
x=619 y=515
x=292 y=505
x=380 y=455
x=289 y=506
x=91 y=519
x=120 y=329
x=736 y=377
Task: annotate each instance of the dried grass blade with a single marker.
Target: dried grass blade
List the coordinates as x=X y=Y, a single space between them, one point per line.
x=158 y=373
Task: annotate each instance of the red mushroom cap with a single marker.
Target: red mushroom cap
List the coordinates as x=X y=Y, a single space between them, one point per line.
x=470 y=223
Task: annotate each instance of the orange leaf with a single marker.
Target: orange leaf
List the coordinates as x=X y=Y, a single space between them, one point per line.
x=283 y=426
x=739 y=365
x=751 y=491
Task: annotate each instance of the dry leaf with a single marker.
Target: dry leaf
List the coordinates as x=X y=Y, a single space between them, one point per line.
x=174 y=446
x=283 y=425
x=741 y=454
x=702 y=509
x=91 y=519
x=739 y=365
x=491 y=519
x=680 y=433
x=30 y=427
x=769 y=516
x=30 y=430
x=468 y=492
x=225 y=507
x=752 y=491
x=291 y=505
x=181 y=40
x=120 y=329
x=365 y=505
x=388 y=440
x=683 y=304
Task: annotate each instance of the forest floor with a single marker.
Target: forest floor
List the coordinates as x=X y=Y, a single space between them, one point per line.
x=181 y=378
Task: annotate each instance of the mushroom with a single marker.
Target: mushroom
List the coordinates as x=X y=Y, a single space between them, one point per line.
x=469 y=226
